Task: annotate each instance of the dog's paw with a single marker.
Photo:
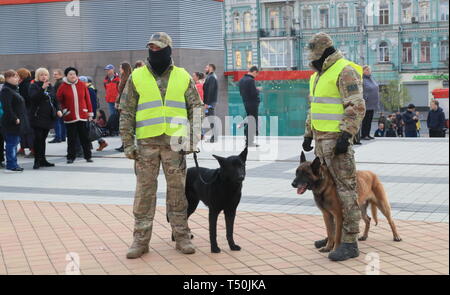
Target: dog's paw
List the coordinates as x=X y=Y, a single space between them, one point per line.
x=215 y=249
x=362 y=238
x=397 y=239
x=324 y=250
x=235 y=248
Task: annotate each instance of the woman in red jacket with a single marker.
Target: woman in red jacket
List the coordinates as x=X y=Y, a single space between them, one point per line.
x=75 y=102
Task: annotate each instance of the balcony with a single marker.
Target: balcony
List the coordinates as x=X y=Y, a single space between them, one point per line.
x=243 y=35
x=267 y=33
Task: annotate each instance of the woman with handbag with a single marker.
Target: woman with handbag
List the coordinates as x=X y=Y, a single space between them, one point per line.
x=75 y=101
x=44 y=112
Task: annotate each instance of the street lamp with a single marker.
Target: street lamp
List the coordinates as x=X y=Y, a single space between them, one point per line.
x=361 y=8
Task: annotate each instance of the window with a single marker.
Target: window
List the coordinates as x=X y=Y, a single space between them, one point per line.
x=359 y=17
x=247 y=22
x=307 y=18
x=443 y=9
x=273 y=53
x=323 y=18
x=406 y=11
x=237 y=60
x=305 y=59
x=424 y=51
x=383 y=50
x=237 y=23
x=424 y=11
x=444 y=50
x=343 y=16
x=384 y=12
x=407 y=53
x=249 y=59
x=274 y=19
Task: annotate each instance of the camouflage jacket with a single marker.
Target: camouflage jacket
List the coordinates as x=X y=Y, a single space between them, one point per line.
x=129 y=102
x=350 y=87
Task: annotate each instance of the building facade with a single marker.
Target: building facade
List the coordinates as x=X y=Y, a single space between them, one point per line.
x=90 y=34
x=405 y=40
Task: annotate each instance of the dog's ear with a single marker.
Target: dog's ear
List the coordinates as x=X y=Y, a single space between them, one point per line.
x=302 y=158
x=220 y=159
x=315 y=166
x=243 y=154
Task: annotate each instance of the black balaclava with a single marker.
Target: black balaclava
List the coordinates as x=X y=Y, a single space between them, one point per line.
x=319 y=62
x=160 y=60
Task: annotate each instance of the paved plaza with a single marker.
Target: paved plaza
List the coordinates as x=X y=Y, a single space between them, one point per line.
x=86 y=209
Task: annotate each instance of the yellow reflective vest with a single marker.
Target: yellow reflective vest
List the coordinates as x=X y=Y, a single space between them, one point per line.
x=327 y=108
x=156 y=116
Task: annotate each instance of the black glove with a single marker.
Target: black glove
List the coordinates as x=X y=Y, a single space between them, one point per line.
x=343 y=143
x=307 y=144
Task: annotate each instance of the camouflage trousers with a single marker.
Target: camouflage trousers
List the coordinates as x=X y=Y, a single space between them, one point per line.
x=149 y=158
x=343 y=170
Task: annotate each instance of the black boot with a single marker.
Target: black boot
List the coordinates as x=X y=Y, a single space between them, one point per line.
x=321 y=243
x=344 y=251
x=36 y=165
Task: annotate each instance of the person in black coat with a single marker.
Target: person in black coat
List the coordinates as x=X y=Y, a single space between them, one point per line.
x=410 y=119
x=44 y=112
x=250 y=97
x=26 y=140
x=436 y=120
x=210 y=94
x=15 y=119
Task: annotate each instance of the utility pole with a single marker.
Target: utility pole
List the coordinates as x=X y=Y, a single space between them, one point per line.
x=361 y=6
x=288 y=25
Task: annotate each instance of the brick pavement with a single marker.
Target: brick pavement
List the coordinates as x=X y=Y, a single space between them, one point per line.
x=35 y=238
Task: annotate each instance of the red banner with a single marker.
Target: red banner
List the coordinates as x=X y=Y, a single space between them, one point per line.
x=273 y=75
x=16 y=2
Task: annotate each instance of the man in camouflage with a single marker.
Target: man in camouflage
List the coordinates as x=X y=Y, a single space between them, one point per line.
x=150 y=152
x=335 y=148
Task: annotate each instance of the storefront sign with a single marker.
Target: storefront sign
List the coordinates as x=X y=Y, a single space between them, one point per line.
x=431 y=77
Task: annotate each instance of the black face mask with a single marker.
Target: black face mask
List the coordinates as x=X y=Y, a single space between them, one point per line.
x=319 y=62
x=160 y=60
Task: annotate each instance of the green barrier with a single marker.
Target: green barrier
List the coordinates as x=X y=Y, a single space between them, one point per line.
x=287 y=100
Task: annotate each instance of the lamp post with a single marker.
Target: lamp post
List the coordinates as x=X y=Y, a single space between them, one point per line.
x=361 y=7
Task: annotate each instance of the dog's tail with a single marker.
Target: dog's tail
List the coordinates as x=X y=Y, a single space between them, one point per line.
x=373 y=208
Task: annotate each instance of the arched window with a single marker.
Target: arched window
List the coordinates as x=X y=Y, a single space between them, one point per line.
x=343 y=16
x=406 y=11
x=247 y=22
x=274 y=18
x=237 y=22
x=424 y=11
x=383 y=50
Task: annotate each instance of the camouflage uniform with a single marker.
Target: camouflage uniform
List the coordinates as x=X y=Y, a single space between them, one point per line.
x=342 y=166
x=151 y=152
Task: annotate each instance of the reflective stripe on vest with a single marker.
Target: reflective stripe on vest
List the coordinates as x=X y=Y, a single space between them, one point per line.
x=156 y=116
x=327 y=109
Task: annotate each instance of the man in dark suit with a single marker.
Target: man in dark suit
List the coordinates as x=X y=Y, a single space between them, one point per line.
x=210 y=90
x=250 y=97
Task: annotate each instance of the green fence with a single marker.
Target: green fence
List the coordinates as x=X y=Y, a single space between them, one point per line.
x=285 y=100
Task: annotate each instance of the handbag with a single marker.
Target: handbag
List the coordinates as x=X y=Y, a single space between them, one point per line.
x=95 y=132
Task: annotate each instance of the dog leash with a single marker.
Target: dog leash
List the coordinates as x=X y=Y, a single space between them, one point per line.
x=198 y=170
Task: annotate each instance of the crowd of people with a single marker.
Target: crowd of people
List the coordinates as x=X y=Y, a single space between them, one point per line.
x=31 y=105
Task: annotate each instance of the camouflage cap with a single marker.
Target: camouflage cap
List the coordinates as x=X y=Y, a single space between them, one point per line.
x=160 y=39
x=317 y=45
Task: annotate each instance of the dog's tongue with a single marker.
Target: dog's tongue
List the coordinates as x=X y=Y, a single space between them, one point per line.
x=301 y=190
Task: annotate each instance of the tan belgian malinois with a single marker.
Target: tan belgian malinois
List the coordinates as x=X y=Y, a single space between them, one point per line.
x=316 y=177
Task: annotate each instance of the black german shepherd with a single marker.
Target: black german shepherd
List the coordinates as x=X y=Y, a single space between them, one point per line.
x=222 y=191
